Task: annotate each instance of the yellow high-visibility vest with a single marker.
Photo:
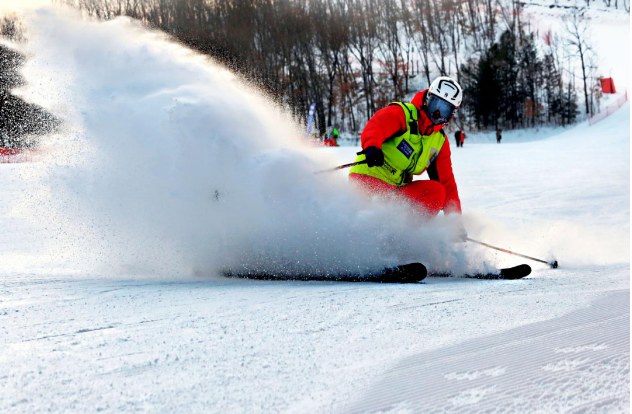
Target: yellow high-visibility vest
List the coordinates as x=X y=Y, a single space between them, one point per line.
x=405 y=153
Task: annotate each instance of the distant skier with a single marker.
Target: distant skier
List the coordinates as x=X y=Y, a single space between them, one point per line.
x=406 y=139
x=499 y=135
x=462 y=138
x=331 y=142
x=457 y=137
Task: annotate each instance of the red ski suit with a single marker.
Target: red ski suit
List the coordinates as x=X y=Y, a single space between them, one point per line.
x=440 y=192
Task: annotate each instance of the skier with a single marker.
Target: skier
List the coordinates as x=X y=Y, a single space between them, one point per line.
x=462 y=137
x=499 y=135
x=457 y=137
x=331 y=142
x=335 y=138
x=406 y=139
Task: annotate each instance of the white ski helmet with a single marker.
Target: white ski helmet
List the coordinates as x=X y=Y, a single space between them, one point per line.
x=447 y=89
x=443 y=100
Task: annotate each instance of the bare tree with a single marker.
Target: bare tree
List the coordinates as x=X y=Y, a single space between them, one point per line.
x=363 y=42
x=578 y=40
x=389 y=44
x=421 y=35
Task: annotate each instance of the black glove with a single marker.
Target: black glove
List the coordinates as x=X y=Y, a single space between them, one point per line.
x=374 y=156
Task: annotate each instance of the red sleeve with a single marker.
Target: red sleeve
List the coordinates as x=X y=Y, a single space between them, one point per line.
x=384 y=124
x=441 y=170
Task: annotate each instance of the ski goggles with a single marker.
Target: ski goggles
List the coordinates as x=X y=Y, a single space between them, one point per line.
x=439 y=110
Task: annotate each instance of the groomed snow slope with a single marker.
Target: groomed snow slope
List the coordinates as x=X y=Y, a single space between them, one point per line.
x=97 y=315
x=96 y=342
x=557 y=341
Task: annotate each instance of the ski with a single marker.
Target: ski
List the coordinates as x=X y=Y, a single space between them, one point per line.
x=510 y=273
x=408 y=273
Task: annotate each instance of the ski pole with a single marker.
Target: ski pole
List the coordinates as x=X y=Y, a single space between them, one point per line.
x=552 y=264
x=340 y=167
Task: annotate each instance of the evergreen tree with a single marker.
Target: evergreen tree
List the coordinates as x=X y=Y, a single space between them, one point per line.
x=553 y=89
x=19 y=121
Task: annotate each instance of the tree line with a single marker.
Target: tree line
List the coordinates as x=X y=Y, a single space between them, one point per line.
x=353 y=57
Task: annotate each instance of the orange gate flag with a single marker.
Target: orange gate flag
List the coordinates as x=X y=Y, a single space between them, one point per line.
x=607 y=85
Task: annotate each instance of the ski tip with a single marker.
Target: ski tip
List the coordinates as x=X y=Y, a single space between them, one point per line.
x=408 y=273
x=517 y=272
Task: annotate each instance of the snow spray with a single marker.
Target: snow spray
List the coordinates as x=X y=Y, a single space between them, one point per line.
x=169 y=163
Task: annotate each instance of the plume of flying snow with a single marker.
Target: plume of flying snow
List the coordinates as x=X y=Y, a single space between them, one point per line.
x=169 y=163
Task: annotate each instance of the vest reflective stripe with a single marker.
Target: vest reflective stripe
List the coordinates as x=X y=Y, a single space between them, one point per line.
x=405 y=153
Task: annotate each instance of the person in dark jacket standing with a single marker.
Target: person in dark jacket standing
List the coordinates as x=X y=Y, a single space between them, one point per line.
x=499 y=135
x=457 y=137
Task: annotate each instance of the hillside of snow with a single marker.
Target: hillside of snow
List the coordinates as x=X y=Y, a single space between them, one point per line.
x=170 y=170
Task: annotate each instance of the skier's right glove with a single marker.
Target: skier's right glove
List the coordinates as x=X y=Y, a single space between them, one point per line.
x=374 y=156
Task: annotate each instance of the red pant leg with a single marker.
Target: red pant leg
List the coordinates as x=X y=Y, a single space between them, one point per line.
x=372 y=185
x=427 y=195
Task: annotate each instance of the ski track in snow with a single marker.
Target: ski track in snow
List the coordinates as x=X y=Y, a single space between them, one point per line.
x=77 y=340
x=520 y=370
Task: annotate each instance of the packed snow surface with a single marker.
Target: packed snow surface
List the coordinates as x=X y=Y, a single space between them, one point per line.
x=170 y=170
